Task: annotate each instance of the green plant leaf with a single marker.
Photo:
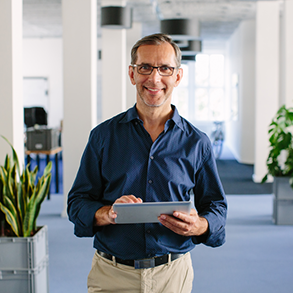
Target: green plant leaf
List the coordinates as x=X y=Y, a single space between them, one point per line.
x=3 y=174
x=7 y=163
x=33 y=175
x=41 y=195
x=265 y=178
x=2 y=182
x=34 y=206
x=290 y=116
x=10 y=215
x=280 y=139
x=28 y=184
x=21 y=199
x=14 y=155
x=48 y=169
x=29 y=216
x=11 y=184
x=21 y=204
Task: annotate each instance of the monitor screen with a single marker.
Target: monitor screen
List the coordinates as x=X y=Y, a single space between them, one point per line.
x=35 y=115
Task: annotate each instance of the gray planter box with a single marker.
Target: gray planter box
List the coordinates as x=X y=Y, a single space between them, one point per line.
x=282 y=202
x=24 y=263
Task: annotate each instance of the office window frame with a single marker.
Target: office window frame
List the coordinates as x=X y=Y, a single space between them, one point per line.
x=190 y=90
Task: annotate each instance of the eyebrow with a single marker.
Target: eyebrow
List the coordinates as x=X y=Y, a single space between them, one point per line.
x=164 y=64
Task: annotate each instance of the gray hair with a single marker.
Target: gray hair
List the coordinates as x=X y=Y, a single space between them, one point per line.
x=156 y=39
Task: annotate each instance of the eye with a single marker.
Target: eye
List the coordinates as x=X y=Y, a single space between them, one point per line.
x=145 y=67
x=165 y=68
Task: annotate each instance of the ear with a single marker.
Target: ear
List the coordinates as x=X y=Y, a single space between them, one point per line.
x=179 y=75
x=131 y=74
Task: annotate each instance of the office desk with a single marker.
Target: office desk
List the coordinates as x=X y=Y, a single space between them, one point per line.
x=55 y=152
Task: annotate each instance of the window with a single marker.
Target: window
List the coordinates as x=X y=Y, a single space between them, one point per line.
x=200 y=95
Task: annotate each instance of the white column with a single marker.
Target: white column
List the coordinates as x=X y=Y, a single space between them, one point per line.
x=114 y=68
x=11 y=102
x=267 y=79
x=133 y=35
x=288 y=52
x=80 y=78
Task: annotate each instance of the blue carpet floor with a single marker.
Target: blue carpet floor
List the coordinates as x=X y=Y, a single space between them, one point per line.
x=257 y=257
x=237 y=178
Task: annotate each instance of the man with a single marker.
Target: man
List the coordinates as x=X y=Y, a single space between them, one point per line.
x=148 y=154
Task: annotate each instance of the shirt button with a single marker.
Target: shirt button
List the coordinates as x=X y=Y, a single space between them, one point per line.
x=148 y=231
x=150 y=181
x=151 y=157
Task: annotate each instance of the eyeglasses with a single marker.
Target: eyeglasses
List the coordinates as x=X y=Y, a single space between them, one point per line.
x=146 y=69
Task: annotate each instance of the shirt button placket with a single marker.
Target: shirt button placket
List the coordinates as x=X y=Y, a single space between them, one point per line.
x=150 y=181
x=150 y=176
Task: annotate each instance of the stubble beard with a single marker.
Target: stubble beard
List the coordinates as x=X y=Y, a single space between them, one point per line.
x=152 y=105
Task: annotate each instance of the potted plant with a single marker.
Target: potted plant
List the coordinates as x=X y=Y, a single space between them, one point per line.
x=23 y=245
x=280 y=165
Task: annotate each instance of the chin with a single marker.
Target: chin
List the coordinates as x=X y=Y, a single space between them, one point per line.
x=154 y=104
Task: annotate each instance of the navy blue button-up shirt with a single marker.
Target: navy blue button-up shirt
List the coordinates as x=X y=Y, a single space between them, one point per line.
x=121 y=159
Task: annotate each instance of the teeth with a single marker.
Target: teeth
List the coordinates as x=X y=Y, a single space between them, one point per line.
x=153 y=90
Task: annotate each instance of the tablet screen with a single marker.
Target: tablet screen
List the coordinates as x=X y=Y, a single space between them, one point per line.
x=148 y=212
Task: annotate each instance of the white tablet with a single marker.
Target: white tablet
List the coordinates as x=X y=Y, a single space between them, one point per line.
x=148 y=212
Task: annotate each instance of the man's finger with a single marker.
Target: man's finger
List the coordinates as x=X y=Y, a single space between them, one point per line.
x=183 y=217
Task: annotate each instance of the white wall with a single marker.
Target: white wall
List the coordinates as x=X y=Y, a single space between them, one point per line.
x=43 y=58
x=11 y=106
x=241 y=61
x=267 y=76
x=286 y=55
x=132 y=35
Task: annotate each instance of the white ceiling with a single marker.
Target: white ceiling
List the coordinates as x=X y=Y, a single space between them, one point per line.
x=218 y=18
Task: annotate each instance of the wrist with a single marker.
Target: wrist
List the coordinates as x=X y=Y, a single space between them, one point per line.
x=102 y=216
x=204 y=226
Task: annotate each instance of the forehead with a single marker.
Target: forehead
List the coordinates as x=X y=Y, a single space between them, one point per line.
x=156 y=54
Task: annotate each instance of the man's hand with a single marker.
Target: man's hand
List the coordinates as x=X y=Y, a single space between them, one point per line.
x=105 y=215
x=184 y=224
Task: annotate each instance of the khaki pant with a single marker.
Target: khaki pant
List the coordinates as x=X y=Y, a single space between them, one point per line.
x=106 y=276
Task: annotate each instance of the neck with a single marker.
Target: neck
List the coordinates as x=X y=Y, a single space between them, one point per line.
x=154 y=119
x=154 y=115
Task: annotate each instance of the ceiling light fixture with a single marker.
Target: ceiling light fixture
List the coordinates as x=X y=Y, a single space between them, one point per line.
x=116 y=17
x=194 y=47
x=188 y=58
x=181 y=28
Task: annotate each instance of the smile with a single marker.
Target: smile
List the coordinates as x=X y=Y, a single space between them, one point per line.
x=153 y=90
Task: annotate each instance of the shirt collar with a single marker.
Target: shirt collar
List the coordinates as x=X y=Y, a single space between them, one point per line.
x=177 y=118
x=132 y=114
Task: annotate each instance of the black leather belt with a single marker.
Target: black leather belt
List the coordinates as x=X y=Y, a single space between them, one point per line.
x=142 y=263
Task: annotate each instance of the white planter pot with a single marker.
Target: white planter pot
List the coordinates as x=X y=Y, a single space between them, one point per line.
x=24 y=263
x=282 y=202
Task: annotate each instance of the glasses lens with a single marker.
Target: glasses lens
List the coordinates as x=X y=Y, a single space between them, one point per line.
x=166 y=71
x=144 y=69
x=162 y=70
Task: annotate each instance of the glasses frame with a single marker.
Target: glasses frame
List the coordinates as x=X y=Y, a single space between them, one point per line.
x=154 y=67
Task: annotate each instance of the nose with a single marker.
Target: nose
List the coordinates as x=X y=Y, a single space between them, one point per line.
x=155 y=75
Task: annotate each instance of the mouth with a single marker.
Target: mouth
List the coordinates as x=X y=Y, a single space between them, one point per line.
x=153 y=90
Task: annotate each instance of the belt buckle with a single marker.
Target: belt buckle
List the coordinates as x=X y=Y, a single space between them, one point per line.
x=146 y=263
